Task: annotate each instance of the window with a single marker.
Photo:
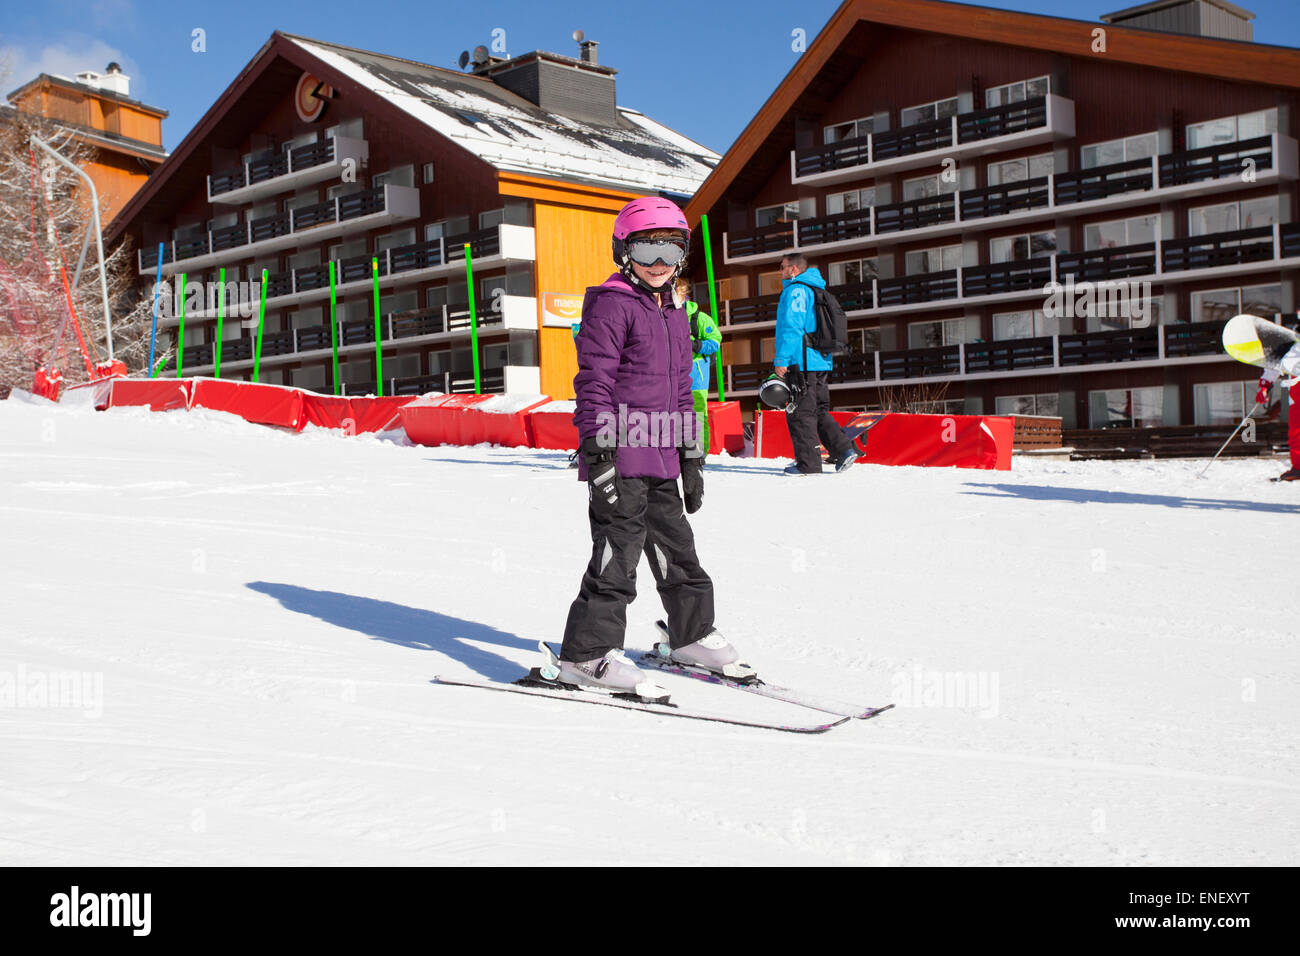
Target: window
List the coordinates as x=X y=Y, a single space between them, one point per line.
x=1028 y=246
x=352 y=129
x=446 y=227
x=866 y=340
x=1219 y=305
x=342 y=189
x=261 y=211
x=1126 y=407
x=222 y=221
x=925 y=335
x=1120 y=150
x=491 y=218
x=1107 y=314
x=1121 y=232
x=306 y=319
x=399 y=302
x=1045 y=404
x=769 y=283
x=1018 y=170
x=1024 y=325
x=303 y=260
x=393 y=240
x=951 y=406
x=923 y=187
x=302 y=198
x=929 y=112
x=853 y=271
x=939 y=259
x=1230 y=129
x=348 y=250
x=853 y=129
x=398 y=176
x=767 y=215
x=852 y=201
x=402 y=366
x=1018 y=92
x=428 y=173
x=1222 y=403
x=312 y=377
x=1231 y=216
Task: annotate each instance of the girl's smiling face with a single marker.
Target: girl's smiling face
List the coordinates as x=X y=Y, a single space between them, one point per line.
x=656 y=275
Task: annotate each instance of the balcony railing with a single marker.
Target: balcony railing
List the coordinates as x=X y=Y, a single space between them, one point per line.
x=1207 y=169
x=928 y=287
x=1153 y=344
x=916 y=213
x=1217 y=161
x=286 y=169
x=1000 y=277
x=812 y=232
x=1119 y=262
x=1220 y=249
x=936 y=136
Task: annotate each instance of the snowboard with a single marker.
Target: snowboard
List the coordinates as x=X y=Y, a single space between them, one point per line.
x=1257 y=341
x=856 y=428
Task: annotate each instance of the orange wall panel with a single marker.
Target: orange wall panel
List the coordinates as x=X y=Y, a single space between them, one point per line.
x=573 y=252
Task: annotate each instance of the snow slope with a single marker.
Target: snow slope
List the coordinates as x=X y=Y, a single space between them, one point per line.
x=1092 y=661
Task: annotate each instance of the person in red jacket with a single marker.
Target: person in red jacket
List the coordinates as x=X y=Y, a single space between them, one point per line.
x=637 y=431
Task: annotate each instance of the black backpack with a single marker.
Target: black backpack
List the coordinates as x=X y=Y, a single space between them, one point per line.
x=831 y=336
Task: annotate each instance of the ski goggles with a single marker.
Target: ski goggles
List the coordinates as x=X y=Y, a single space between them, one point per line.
x=646 y=252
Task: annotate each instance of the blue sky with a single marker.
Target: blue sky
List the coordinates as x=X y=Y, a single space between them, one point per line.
x=703 y=68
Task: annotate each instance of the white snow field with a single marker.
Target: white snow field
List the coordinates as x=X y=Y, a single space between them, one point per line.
x=217 y=640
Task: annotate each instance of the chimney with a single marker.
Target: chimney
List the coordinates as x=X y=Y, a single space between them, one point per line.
x=112 y=81
x=581 y=89
x=1205 y=18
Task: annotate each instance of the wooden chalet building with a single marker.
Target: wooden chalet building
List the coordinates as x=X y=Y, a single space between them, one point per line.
x=319 y=153
x=943 y=163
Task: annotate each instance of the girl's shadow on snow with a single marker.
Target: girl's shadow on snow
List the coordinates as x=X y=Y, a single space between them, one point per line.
x=410 y=627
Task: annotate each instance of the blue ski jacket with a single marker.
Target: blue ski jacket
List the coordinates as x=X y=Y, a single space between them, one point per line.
x=795 y=316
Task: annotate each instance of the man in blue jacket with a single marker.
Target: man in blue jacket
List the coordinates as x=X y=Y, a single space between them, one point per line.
x=796 y=316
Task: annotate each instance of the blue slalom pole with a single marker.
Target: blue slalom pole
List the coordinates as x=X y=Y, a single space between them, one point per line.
x=157 y=293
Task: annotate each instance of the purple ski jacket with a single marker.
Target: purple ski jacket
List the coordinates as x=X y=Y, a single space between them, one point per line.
x=634 y=377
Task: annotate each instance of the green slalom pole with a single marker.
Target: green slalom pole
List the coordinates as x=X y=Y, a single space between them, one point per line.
x=334 y=327
x=379 y=356
x=180 y=336
x=221 y=318
x=713 y=298
x=261 y=324
x=473 y=319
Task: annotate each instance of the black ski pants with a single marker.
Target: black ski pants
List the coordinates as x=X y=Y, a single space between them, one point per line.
x=649 y=519
x=811 y=420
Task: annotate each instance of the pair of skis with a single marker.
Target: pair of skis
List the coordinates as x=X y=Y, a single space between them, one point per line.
x=538 y=685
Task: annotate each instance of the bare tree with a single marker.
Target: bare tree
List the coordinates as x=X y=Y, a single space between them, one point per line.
x=918 y=399
x=44 y=215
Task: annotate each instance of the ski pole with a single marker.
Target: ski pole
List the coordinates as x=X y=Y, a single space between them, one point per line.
x=1248 y=417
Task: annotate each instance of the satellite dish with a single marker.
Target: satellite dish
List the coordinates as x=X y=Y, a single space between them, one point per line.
x=464 y=58
x=480 y=54
x=579 y=36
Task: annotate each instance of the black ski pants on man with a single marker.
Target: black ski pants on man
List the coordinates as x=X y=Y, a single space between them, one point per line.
x=811 y=420
x=649 y=519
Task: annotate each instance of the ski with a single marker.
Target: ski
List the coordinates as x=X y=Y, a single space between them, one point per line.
x=757 y=686
x=664 y=710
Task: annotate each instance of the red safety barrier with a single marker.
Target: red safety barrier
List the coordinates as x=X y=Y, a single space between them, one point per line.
x=441 y=419
x=263 y=404
x=502 y=420
x=160 y=394
x=354 y=415
x=94 y=393
x=552 y=426
x=957 y=441
x=726 y=432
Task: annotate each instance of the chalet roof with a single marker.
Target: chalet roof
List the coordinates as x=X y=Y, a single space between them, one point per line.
x=819 y=73
x=56 y=80
x=515 y=135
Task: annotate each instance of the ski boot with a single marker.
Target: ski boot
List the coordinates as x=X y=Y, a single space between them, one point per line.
x=1291 y=475
x=712 y=653
x=613 y=674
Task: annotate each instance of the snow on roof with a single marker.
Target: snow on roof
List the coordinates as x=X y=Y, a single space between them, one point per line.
x=514 y=135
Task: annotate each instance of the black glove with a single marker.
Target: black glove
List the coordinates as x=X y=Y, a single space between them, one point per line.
x=691 y=456
x=602 y=475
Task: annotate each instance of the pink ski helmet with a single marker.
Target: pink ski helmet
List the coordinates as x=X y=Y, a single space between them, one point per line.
x=643 y=215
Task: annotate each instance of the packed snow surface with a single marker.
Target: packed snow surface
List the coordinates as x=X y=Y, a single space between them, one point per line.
x=217 y=640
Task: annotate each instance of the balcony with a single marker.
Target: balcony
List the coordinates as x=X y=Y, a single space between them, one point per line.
x=448 y=323
x=1009 y=358
x=358 y=212
x=1238 y=252
x=1272 y=160
x=491 y=248
x=1014 y=125
x=288 y=170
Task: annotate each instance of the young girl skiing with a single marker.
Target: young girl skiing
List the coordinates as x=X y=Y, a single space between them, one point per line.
x=634 y=367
